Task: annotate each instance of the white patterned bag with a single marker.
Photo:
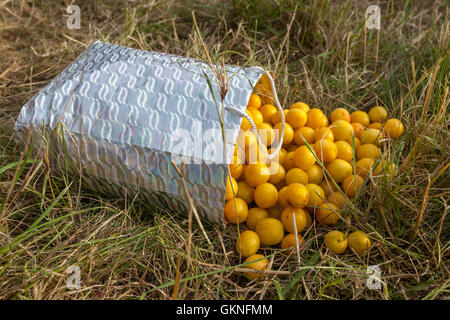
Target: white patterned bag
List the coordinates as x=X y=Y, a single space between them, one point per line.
x=122 y=115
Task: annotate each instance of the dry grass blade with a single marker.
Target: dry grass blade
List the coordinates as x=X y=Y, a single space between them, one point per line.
x=441 y=224
x=177 y=279
x=422 y=210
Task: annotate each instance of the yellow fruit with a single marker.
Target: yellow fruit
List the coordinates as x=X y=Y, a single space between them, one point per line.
x=364 y=166
x=372 y=136
x=308 y=219
x=359 y=242
x=274 y=168
x=303 y=158
x=290 y=242
x=376 y=125
x=266 y=195
x=268 y=111
x=378 y=114
x=327 y=187
x=260 y=263
x=287 y=218
x=277 y=116
x=340 y=114
x=245 y=124
x=289 y=161
x=297 y=195
x=326 y=150
x=315 y=174
x=264 y=88
x=233 y=186
x=282 y=156
x=288 y=133
x=275 y=212
x=339 y=170
x=335 y=242
x=316 y=195
x=236 y=167
x=245 y=192
x=300 y=105
x=358 y=128
x=328 y=214
x=296 y=175
x=254 y=216
x=342 y=130
x=345 y=151
x=247 y=243
x=236 y=210
x=354 y=141
x=296 y=118
x=254 y=101
x=246 y=139
x=351 y=185
x=316 y=119
x=337 y=199
x=256 y=115
x=323 y=133
x=283 y=197
x=368 y=151
x=266 y=133
x=270 y=231
x=377 y=167
x=360 y=117
x=277 y=173
x=238 y=153
x=256 y=174
x=393 y=128
x=306 y=133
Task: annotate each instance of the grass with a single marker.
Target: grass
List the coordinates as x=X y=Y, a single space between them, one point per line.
x=320 y=53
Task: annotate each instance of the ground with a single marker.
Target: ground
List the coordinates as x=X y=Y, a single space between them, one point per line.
x=319 y=52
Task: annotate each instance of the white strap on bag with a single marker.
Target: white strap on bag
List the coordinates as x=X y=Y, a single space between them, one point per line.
x=250 y=120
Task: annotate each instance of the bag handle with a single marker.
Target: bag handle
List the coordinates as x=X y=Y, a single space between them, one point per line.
x=250 y=120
